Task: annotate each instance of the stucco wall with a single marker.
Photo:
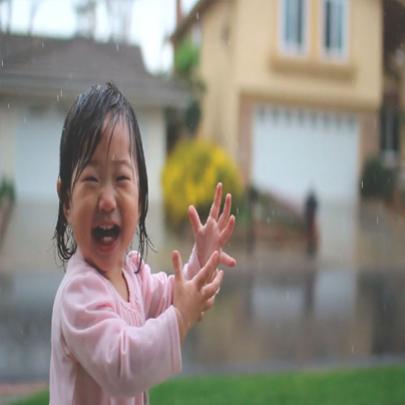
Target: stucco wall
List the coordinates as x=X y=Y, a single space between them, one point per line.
x=217 y=71
x=262 y=68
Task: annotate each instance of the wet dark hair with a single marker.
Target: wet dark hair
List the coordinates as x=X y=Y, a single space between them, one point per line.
x=100 y=107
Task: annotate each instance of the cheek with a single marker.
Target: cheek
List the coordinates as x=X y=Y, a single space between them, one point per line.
x=132 y=207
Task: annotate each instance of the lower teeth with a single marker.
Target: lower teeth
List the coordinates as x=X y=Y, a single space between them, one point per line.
x=107 y=239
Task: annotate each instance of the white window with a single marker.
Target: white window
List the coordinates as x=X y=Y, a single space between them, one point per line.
x=335 y=28
x=294 y=25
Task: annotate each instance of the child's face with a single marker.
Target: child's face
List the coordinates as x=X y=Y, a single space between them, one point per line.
x=103 y=209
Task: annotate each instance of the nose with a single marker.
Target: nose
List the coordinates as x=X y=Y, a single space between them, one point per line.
x=107 y=202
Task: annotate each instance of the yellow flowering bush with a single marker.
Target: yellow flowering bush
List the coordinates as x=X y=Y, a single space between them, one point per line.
x=190 y=175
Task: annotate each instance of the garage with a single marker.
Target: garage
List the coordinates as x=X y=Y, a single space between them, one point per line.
x=38 y=132
x=295 y=150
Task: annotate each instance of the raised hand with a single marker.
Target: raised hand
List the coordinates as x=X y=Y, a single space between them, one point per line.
x=193 y=297
x=216 y=232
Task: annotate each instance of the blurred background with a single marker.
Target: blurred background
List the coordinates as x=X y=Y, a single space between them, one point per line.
x=297 y=106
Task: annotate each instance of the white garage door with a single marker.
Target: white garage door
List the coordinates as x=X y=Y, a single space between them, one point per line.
x=297 y=150
x=37 y=153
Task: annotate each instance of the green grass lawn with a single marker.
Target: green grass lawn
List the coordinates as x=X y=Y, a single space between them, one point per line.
x=375 y=386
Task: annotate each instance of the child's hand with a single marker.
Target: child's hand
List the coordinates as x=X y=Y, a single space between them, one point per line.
x=193 y=297
x=216 y=232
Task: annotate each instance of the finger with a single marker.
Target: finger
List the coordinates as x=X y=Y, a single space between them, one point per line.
x=177 y=265
x=223 y=219
x=194 y=219
x=210 y=290
x=216 y=204
x=205 y=274
x=227 y=260
x=209 y=303
x=226 y=234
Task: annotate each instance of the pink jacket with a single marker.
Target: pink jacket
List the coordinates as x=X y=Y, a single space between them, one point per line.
x=106 y=350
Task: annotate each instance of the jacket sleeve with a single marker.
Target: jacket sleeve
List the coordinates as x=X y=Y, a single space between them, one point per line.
x=123 y=359
x=157 y=291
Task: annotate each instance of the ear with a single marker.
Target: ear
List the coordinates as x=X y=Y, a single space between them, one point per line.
x=66 y=205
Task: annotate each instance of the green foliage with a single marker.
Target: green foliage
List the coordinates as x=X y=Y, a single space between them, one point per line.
x=6 y=190
x=190 y=175
x=186 y=59
x=192 y=115
x=376 y=180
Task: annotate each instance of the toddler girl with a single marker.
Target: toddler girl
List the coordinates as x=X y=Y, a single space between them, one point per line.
x=116 y=327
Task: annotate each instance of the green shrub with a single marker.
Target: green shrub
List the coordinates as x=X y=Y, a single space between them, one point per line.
x=377 y=181
x=186 y=59
x=192 y=115
x=190 y=175
x=6 y=190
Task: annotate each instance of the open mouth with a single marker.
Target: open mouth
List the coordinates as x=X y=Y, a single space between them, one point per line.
x=105 y=235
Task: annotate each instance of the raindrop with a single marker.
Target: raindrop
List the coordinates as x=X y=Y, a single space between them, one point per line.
x=362 y=184
x=353 y=349
x=57 y=98
x=61 y=93
x=117 y=47
x=25 y=119
x=268 y=220
x=8 y=105
x=2 y=63
x=43 y=44
x=197 y=16
x=377 y=220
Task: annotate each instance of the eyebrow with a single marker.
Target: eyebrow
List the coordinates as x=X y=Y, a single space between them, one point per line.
x=116 y=162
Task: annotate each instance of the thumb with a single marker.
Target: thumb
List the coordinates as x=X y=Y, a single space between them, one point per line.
x=177 y=265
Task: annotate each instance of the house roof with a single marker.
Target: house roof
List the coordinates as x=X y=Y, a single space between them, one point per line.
x=186 y=22
x=51 y=67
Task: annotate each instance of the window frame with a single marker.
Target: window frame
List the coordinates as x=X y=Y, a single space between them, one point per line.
x=334 y=53
x=289 y=48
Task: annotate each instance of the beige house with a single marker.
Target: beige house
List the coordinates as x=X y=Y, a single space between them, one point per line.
x=293 y=89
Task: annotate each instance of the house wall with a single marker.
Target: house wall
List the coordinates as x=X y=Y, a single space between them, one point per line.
x=217 y=56
x=263 y=69
x=8 y=120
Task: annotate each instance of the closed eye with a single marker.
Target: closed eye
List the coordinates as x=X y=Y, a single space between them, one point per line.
x=90 y=179
x=123 y=178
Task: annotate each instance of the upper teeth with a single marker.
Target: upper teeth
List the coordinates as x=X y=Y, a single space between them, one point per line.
x=106 y=228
